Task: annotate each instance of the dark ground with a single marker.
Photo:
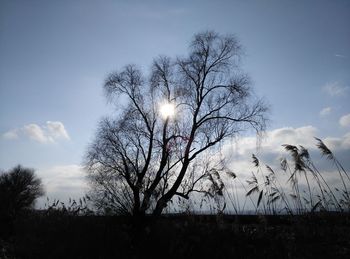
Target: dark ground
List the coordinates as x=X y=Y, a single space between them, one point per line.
x=177 y=236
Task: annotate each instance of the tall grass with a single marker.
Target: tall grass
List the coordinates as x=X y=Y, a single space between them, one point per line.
x=272 y=196
x=296 y=186
x=72 y=208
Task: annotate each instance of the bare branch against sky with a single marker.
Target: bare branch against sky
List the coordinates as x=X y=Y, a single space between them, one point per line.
x=55 y=56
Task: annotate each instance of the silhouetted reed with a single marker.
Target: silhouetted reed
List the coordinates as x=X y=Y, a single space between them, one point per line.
x=318 y=195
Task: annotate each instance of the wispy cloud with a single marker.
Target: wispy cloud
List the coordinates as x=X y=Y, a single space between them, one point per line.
x=340 y=56
x=336 y=89
x=344 y=121
x=48 y=133
x=325 y=111
x=11 y=134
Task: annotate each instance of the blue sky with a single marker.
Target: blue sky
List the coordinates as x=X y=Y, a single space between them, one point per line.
x=55 y=55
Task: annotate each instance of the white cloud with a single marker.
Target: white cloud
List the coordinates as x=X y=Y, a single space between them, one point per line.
x=335 y=89
x=344 y=121
x=342 y=143
x=63 y=182
x=36 y=133
x=11 y=134
x=49 y=133
x=294 y=136
x=274 y=139
x=238 y=153
x=56 y=129
x=325 y=111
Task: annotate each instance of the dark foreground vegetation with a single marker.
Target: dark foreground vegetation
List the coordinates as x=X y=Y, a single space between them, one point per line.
x=60 y=235
x=300 y=222
x=310 y=222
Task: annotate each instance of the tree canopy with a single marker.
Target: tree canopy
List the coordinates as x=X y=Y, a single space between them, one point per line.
x=19 y=188
x=156 y=146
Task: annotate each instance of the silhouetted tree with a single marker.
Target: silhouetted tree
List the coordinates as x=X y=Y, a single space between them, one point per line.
x=19 y=188
x=158 y=145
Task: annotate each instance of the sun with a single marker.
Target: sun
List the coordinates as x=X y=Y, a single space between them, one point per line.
x=167 y=110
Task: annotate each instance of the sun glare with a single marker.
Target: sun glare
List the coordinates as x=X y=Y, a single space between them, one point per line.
x=167 y=110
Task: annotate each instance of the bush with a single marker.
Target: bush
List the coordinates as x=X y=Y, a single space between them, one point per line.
x=19 y=188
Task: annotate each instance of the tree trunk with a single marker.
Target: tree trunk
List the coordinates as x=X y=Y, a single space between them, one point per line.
x=163 y=201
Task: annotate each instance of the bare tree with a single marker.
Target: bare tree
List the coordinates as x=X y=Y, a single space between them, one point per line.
x=151 y=151
x=19 y=188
